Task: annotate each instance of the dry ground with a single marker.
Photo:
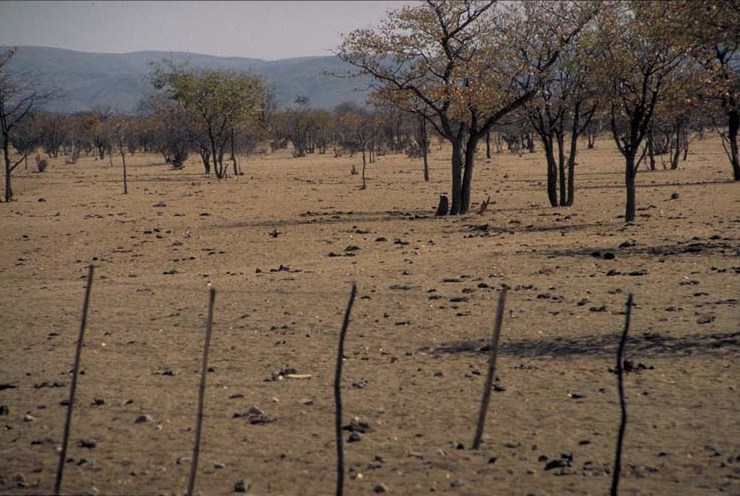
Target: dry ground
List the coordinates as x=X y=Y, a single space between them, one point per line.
x=282 y=244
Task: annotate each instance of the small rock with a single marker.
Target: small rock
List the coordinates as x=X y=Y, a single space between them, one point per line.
x=241 y=486
x=705 y=319
x=20 y=480
x=4 y=410
x=28 y=418
x=381 y=488
x=87 y=444
x=354 y=437
x=556 y=464
x=218 y=465
x=143 y=419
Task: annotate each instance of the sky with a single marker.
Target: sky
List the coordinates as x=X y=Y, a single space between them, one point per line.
x=269 y=30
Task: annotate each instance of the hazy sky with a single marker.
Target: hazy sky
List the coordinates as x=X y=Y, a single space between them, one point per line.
x=258 y=29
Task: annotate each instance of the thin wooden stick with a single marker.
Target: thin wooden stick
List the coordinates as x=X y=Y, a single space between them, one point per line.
x=622 y=402
x=338 y=394
x=201 y=393
x=73 y=387
x=491 y=369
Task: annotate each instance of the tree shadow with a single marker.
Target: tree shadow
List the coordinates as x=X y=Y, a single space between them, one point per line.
x=336 y=217
x=657 y=185
x=694 y=245
x=647 y=345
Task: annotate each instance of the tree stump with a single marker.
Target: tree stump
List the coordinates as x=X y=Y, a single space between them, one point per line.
x=444 y=206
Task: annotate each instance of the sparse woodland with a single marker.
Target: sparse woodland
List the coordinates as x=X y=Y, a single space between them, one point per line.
x=563 y=157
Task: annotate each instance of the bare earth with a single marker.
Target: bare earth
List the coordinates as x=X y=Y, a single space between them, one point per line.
x=282 y=245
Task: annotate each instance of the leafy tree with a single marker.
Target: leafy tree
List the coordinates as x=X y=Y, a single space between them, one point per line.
x=636 y=60
x=219 y=99
x=173 y=128
x=564 y=105
x=465 y=65
x=710 y=31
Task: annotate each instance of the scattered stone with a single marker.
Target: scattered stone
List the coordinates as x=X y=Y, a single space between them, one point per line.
x=143 y=419
x=629 y=366
x=28 y=418
x=20 y=480
x=218 y=465
x=241 y=486
x=355 y=425
x=381 y=488
x=254 y=416
x=4 y=410
x=87 y=444
x=354 y=437
x=675 y=196
x=705 y=319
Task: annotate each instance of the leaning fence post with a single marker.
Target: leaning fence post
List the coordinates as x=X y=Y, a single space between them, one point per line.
x=338 y=394
x=491 y=369
x=201 y=393
x=73 y=387
x=622 y=402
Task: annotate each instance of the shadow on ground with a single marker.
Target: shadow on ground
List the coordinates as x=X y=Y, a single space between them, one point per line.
x=647 y=345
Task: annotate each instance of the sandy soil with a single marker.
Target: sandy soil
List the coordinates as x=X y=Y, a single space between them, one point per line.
x=282 y=245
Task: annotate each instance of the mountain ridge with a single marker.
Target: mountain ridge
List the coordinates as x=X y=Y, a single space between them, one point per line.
x=119 y=80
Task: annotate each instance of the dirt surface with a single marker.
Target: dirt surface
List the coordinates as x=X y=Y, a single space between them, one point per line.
x=282 y=245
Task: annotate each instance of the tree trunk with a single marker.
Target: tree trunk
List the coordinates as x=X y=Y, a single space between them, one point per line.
x=237 y=169
x=488 y=144
x=424 y=146
x=364 y=164
x=457 y=171
x=205 y=156
x=651 y=148
x=571 y=189
x=469 y=166
x=734 y=126
x=561 y=168
x=552 y=188
x=676 y=153
x=125 y=177
x=6 y=156
x=630 y=174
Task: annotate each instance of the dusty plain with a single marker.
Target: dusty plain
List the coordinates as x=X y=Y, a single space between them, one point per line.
x=282 y=244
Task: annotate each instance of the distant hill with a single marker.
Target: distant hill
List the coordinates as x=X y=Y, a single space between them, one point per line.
x=120 y=80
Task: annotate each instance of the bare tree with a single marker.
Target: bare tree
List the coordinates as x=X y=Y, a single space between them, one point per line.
x=19 y=96
x=467 y=64
x=636 y=60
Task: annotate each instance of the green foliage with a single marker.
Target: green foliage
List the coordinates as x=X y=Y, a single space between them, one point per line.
x=220 y=101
